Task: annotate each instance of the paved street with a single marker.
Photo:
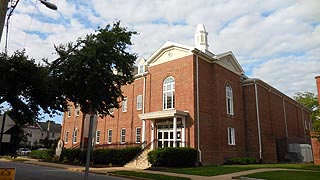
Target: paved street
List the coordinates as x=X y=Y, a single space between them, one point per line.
x=34 y=172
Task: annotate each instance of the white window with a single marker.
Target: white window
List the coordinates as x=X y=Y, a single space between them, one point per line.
x=231 y=136
x=229 y=100
x=168 y=93
x=69 y=111
x=123 y=136
x=124 y=104
x=66 y=137
x=138 y=135
x=109 y=136
x=97 y=136
x=111 y=110
x=141 y=69
x=75 y=134
x=139 y=102
x=77 y=109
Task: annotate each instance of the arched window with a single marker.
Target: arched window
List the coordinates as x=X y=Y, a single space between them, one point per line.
x=168 y=93
x=229 y=100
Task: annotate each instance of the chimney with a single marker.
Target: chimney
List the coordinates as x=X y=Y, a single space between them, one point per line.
x=200 y=38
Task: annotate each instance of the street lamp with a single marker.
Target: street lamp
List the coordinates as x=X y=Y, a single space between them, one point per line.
x=49 y=5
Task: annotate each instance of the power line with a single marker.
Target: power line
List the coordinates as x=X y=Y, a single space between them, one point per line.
x=35 y=5
x=13 y=5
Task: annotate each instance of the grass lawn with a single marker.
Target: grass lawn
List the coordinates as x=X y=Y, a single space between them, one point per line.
x=149 y=175
x=225 y=169
x=286 y=175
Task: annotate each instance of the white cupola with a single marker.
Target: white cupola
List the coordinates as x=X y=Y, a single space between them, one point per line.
x=200 y=38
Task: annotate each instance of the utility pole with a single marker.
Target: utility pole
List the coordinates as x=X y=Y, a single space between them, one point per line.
x=3 y=12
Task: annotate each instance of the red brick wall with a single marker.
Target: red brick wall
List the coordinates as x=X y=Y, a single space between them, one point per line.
x=275 y=117
x=214 y=120
x=315 y=141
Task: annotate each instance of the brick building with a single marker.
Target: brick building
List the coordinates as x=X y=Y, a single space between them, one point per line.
x=315 y=141
x=189 y=97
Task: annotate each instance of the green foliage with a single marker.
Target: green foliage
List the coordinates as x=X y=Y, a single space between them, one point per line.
x=42 y=154
x=310 y=100
x=286 y=175
x=173 y=157
x=240 y=160
x=86 y=69
x=149 y=175
x=100 y=156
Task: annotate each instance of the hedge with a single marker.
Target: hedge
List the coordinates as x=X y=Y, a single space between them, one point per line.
x=100 y=156
x=173 y=157
x=42 y=154
x=240 y=160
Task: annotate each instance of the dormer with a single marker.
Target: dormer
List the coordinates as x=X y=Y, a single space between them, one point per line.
x=141 y=66
x=201 y=40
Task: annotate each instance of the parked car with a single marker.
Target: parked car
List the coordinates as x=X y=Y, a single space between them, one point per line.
x=42 y=149
x=23 y=151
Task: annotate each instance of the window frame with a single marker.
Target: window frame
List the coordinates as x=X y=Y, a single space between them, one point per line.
x=98 y=132
x=66 y=138
x=77 y=109
x=139 y=102
x=138 y=135
x=75 y=136
x=69 y=111
x=124 y=104
x=229 y=99
x=109 y=136
x=231 y=136
x=168 y=93
x=123 y=136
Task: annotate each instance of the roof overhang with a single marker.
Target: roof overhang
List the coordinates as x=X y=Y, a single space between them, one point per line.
x=163 y=114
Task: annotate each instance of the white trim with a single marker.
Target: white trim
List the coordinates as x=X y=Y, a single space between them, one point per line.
x=124 y=104
x=98 y=132
x=66 y=137
x=229 y=99
x=123 y=136
x=109 y=141
x=140 y=135
x=139 y=102
x=163 y=114
x=168 y=91
x=231 y=136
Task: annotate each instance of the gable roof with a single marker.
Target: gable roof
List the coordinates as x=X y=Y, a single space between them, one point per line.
x=170 y=51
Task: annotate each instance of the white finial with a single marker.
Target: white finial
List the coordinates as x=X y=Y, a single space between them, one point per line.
x=200 y=39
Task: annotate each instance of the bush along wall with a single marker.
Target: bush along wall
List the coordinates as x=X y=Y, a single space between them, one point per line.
x=100 y=156
x=173 y=157
x=240 y=160
x=42 y=154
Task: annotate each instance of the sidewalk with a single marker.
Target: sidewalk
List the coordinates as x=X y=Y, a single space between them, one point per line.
x=108 y=170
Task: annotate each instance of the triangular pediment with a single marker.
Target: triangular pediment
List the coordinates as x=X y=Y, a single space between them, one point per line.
x=168 y=52
x=229 y=61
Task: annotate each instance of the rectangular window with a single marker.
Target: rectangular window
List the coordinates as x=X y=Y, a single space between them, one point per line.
x=66 y=137
x=69 y=111
x=109 y=136
x=52 y=135
x=123 y=136
x=124 y=104
x=98 y=137
x=75 y=134
x=111 y=110
x=77 y=109
x=138 y=135
x=231 y=136
x=139 y=102
x=141 y=69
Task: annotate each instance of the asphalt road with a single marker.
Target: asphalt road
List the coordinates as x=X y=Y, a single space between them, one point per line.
x=34 y=172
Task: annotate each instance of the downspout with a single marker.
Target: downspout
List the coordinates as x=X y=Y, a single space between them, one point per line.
x=198 y=120
x=285 y=119
x=143 y=93
x=258 y=120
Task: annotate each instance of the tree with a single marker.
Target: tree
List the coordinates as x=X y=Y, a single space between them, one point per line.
x=26 y=87
x=310 y=100
x=91 y=71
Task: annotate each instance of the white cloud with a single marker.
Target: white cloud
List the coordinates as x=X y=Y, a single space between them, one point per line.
x=277 y=41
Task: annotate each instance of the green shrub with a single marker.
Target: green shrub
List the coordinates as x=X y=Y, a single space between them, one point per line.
x=239 y=160
x=100 y=156
x=173 y=157
x=42 y=154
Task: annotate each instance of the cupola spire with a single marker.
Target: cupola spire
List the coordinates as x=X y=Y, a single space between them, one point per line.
x=201 y=41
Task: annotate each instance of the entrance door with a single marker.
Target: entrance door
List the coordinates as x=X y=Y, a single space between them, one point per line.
x=165 y=138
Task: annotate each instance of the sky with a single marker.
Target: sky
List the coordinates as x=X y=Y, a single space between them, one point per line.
x=276 y=41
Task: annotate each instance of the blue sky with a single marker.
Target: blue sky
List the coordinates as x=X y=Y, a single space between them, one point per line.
x=277 y=41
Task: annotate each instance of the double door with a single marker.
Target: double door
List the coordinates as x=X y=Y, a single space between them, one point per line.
x=165 y=138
